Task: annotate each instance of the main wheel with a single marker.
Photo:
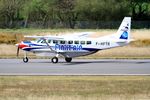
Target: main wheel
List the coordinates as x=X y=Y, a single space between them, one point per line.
x=25 y=59
x=68 y=59
x=54 y=60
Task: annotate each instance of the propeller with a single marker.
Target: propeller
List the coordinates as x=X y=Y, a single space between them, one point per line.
x=18 y=51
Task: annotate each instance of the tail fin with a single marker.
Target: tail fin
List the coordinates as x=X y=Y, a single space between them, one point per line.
x=124 y=29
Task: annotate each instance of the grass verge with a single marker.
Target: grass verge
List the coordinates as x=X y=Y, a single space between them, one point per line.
x=74 y=87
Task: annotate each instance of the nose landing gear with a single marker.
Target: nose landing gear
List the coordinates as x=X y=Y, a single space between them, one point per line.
x=25 y=59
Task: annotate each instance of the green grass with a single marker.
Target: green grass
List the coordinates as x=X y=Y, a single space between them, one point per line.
x=74 y=87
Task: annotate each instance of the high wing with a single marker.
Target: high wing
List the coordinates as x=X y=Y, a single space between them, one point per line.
x=60 y=37
x=78 y=35
x=45 y=37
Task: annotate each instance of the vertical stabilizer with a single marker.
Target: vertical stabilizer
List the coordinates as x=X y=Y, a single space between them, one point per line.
x=124 y=29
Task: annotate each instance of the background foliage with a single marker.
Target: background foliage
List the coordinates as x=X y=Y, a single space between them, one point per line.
x=73 y=13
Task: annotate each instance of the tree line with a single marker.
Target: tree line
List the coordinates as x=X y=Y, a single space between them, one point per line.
x=69 y=13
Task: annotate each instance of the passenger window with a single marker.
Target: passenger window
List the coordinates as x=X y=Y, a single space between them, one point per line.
x=70 y=42
x=76 y=42
x=55 y=41
x=49 y=41
x=82 y=42
x=62 y=42
x=88 y=42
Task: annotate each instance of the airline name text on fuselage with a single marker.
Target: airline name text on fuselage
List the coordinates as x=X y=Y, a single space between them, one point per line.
x=68 y=47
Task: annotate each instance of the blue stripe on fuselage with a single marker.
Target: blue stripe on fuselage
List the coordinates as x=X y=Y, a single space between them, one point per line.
x=91 y=49
x=30 y=48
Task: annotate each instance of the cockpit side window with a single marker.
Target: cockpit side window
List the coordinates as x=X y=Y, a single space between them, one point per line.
x=42 y=41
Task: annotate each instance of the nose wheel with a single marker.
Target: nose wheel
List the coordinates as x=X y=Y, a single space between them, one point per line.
x=54 y=60
x=25 y=59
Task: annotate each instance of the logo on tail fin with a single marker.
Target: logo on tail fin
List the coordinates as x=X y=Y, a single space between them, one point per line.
x=124 y=35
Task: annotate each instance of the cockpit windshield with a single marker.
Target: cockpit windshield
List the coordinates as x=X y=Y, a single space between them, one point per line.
x=39 y=41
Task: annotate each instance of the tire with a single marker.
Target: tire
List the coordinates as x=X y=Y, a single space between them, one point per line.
x=54 y=60
x=68 y=59
x=25 y=60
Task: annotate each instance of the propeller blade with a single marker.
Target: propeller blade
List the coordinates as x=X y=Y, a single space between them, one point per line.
x=17 y=51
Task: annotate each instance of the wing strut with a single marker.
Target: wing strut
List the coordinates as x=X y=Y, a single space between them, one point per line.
x=48 y=45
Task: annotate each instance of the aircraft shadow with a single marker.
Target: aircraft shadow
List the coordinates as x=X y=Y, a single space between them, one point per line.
x=103 y=62
x=97 y=61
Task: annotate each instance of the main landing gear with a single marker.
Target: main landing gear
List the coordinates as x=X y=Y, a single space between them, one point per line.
x=68 y=59
x=55 y=60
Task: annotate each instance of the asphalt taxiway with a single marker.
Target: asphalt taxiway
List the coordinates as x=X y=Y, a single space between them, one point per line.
x=76 y=67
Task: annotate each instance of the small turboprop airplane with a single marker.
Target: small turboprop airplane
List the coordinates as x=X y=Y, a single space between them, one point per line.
x=75 y=45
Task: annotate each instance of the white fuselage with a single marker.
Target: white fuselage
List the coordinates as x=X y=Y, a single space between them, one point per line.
x=71 y=47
